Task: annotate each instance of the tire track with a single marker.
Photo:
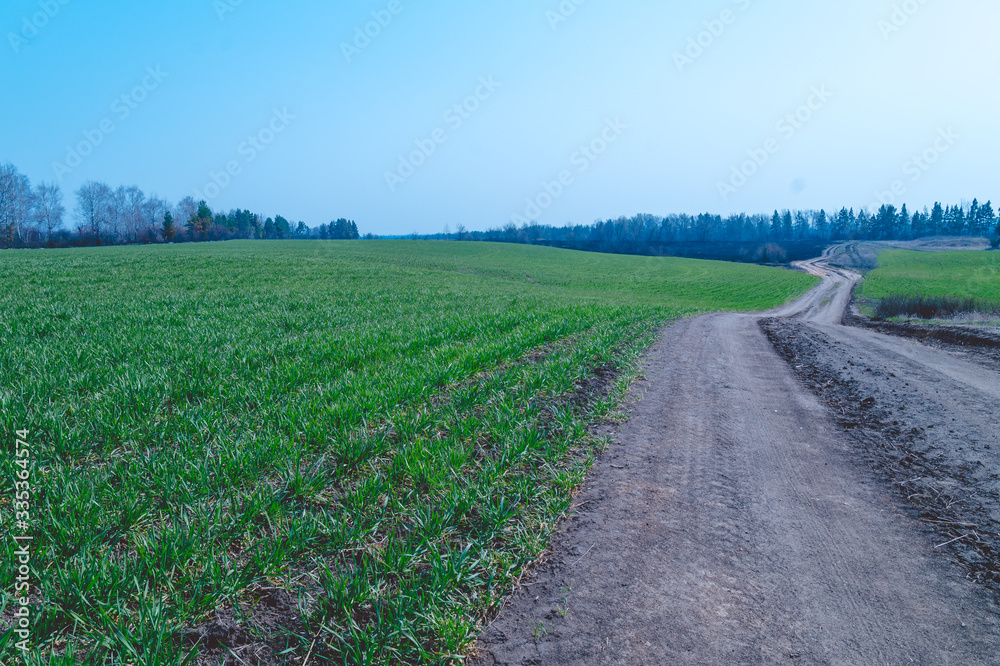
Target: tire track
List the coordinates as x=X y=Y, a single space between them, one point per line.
x=733 y=522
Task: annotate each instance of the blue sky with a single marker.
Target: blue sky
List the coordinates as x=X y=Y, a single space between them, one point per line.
x=697 y=128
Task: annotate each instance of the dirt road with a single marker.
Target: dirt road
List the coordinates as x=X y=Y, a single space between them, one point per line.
x=737 y=519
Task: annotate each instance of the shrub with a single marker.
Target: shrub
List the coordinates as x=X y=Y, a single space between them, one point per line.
x=771 y=253
x=935 y=307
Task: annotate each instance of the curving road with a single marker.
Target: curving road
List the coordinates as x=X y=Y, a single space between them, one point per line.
x=733 y=522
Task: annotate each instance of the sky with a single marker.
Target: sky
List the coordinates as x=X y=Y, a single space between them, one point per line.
x=410 y=116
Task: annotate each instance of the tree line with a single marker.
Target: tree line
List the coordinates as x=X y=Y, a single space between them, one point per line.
x=652 y=234
x=36 y=217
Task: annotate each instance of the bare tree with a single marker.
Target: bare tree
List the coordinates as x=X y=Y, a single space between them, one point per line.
x=93 y=205
x=131 y=200
x=186 y=210
x=153 y=210
x=16 y=202
x=116 y=214
x=8 y=187
x=49 y=209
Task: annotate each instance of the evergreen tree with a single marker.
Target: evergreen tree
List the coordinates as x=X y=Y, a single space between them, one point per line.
x=801 y=225
x=840 y=226
x=902 y=229
x=168 y=227
x=244 y=224
x=920 y=224
x=884 y=225
x=937 y=220
x=822 y=225
x=865 y=225
x=974 y=219
x=200 y=222
x=989 y=218
x=344 y=229
x=955 y=220
x=787 y=227
x=281 y=227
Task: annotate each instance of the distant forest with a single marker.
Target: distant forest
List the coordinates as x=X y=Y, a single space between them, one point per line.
x=782 y=236
x=102 y=215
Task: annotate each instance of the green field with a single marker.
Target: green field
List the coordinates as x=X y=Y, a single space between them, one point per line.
x=934 y=284
x=380 y=433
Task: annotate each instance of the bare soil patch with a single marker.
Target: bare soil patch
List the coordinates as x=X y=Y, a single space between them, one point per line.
x=980 y=342
x=942 y=461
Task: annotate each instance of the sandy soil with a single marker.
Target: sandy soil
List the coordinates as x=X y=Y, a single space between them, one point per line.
x=750 y=511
